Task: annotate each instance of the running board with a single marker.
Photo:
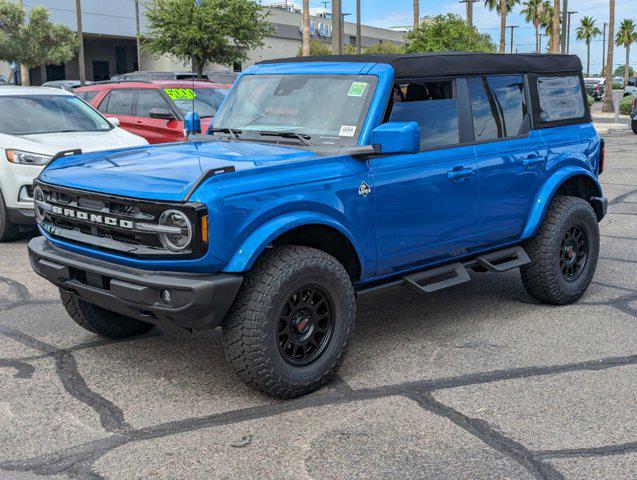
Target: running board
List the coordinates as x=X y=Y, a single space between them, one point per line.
x=453 y=274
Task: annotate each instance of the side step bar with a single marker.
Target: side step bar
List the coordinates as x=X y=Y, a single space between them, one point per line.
x=453 y=274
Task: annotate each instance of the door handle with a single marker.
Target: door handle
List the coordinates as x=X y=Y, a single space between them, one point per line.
x=532 y=160
x=459 y=173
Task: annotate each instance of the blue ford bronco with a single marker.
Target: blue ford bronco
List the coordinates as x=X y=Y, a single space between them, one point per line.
x=323 y=179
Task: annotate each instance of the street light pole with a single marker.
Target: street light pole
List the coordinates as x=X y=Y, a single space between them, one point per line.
x=541 y=36
x=568 y=32
x=469 y=5
x=343 y=15
x=512 y=27
x=564 y=25
x=139 y=37
x=80 y=39
x=359 y=40
x=604 y=49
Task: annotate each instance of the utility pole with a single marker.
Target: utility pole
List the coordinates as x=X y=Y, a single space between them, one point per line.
x=604 y=49
x=564 y=25
x=337 y=31
x=359 y=40
x=80 y=39
x=568 y=32
x=139 y=37
x=512 y=27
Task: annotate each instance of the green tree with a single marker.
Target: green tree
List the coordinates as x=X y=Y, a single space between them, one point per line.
x=447 y=33
x=626 y=36
x=587 y=30
x=317 y=48
x=217 y=31
x=384 y=48
x=533 y=12
x=621 y=71
x=503 y=7
x=34 y=40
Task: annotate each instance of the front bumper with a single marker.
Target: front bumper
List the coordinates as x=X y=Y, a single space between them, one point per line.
x=198 y=301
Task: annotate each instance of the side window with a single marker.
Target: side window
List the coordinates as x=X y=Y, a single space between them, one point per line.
x=498 y=106
x=561 y=98
x=118 y=102
x=87 y=96
x=147 y=99
x=434 y=106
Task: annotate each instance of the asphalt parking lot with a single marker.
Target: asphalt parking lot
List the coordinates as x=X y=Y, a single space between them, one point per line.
x=476 y=382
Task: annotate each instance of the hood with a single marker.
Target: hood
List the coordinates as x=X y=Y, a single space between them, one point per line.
x=52 y=143
x=163 y=172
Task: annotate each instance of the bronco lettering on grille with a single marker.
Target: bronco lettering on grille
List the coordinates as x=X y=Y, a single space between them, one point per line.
x=92 y=218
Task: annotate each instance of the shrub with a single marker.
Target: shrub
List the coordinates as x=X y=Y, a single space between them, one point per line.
x=591 y=101
x=626 y=105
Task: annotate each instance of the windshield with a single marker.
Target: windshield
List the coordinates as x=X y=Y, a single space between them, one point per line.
x=206 y=100
x=37 y=114
x=325 y=109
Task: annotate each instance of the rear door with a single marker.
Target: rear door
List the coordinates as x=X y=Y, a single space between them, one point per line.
x=511 y=157
x=119 y=103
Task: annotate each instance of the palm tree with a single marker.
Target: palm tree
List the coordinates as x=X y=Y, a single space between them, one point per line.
x=586 y=31
x=546 y=21
x=555 y=28
x=608 y=106
x=533 y=11
x=416 y=13
x=626 y=36
x=502 y=7
x=306 y=28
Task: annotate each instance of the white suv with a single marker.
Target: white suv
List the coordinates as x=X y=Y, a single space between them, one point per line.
x=36 y=124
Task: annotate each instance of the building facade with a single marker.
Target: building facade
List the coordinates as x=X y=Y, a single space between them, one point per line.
x=110 y=42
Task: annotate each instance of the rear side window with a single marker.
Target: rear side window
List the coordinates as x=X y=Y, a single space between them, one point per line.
x=434 y=106
x=118 y=102
x=147 y=100
x=561 y=98
x=87 y=96
x=499 y=107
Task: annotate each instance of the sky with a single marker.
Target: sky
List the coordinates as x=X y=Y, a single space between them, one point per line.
x=386 y=13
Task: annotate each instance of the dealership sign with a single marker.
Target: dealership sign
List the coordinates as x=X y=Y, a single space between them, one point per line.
x=321 y=29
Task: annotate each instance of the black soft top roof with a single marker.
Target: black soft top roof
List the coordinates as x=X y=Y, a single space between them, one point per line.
x=457 y=63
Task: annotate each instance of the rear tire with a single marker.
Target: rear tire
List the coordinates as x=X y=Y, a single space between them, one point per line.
x=8 y=230
x=634 y=126
x=289 y=328
x=564 y=252
x=100 y=321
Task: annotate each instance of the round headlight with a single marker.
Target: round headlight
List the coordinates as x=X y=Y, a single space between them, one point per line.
x=38 y=196
x=176 y=220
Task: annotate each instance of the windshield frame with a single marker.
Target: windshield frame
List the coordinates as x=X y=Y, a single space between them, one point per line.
x=325 y=141
x=70 y=98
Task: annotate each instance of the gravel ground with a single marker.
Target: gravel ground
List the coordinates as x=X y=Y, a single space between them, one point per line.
x=478 y=381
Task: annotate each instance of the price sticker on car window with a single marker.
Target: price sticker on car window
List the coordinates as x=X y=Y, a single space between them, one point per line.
x=347 y=131
x=181 y=93
x=357 y=89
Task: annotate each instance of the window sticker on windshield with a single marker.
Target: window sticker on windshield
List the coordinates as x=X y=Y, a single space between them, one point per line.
x=180 y=93
x=347 y=131
x=357 y=89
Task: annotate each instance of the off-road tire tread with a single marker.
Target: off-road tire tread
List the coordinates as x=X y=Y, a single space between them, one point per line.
x=246 y=324
x=100 y=321
x=540 y=278
x=8 y=230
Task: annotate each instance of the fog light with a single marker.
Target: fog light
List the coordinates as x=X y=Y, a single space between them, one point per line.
x=165 y=296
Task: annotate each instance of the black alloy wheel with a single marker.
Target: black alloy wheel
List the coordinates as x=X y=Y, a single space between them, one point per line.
x=305 y=326
x=573 y=253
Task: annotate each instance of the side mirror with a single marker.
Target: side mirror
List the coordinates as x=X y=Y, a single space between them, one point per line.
x=192 y=124
x=113 y=121
x=394 y=137
x=162 y=114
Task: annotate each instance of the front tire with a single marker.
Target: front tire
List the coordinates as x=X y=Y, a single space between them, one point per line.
x=8 y=230
x=289 y=328
x=634 y=126
x=100 y=321
x=564 y=252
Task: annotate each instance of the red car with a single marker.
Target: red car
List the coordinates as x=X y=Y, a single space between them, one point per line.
x=155 y=109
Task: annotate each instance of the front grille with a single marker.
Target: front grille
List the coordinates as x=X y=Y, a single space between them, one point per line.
x=111 y=223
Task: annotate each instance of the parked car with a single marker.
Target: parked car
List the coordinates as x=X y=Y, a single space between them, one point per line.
x=631 y=87
x=326 y=179
x=68 y=85
x=155 y=110
x=595 y=87
x=633 y=115
x=36 y=125
x=222 y=77
x=3 y=80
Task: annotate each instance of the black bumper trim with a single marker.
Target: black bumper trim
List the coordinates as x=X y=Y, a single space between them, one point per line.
x=21 y=216
x=198 y=301
x=600 y=205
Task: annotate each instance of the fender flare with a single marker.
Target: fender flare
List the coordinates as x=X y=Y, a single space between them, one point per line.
x=248 y=252
x=547 y=192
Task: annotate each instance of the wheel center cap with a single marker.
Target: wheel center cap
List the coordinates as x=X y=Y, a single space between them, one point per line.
x=302 y=324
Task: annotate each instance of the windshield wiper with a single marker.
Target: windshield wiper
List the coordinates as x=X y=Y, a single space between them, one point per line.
x=235 y=133
x=301 y=137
